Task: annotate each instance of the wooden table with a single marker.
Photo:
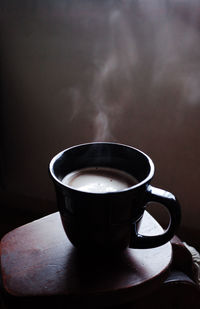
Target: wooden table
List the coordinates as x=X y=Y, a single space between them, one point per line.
x=38 y=264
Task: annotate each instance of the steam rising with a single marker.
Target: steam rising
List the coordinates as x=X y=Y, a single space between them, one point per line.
x=113 y=74
x=146 y=46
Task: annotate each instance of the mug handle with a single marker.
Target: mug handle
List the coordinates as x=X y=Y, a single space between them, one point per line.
x=168 y=200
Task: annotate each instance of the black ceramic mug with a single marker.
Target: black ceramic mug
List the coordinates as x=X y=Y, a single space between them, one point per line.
x=109 y=220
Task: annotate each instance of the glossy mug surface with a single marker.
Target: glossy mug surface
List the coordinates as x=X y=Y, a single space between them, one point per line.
x=102 y=190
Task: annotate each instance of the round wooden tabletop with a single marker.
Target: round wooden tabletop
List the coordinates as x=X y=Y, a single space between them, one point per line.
x=37 y=259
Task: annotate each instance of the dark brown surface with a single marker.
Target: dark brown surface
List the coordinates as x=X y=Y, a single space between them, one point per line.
x=38 y=260
x=177 y=292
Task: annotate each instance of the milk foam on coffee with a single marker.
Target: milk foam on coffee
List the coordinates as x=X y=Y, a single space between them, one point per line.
x=99 y=180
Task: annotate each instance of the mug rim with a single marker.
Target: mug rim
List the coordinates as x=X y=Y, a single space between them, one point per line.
x=139 y=184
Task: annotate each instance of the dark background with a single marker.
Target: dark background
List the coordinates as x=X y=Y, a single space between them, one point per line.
x=81 y=71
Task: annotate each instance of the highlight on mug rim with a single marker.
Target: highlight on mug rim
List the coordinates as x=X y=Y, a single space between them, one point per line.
x=139 y=184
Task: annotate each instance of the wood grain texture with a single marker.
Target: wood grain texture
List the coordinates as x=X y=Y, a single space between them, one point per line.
x=37 y=259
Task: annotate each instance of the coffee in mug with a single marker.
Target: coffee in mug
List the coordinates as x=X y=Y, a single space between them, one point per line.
x=102 y=191
x=99 y=180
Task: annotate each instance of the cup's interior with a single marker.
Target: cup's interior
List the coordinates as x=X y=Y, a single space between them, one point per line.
x=112 y=155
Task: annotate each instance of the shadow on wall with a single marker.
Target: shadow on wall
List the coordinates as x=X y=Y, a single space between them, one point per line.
x=125 y=71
